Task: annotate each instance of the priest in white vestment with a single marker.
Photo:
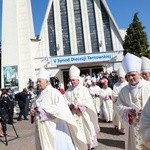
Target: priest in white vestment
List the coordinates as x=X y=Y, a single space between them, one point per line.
x=56 y=128
x=117 y=121
x=131 y=100
x=96 y=93
x=106 y=112
x=145 y=125
x=82 y=107
x=145 y=70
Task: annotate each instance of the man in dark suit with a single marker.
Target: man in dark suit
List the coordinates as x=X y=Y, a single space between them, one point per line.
x=21 y=98
x=3 y=118
x=9 y=105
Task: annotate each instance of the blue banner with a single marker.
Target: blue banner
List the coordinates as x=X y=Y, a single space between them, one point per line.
x=81 y=58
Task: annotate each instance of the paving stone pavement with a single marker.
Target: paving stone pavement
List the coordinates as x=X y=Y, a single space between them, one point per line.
x=108 y=138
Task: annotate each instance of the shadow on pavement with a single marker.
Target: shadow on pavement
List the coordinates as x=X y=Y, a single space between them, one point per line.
x=112 y=143
x=109 y=130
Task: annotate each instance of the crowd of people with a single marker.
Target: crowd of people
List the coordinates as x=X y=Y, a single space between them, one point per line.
x=69 y=118
x=9 y=102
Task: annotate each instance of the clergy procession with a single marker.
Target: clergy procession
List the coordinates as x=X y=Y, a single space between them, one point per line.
x=70 y=120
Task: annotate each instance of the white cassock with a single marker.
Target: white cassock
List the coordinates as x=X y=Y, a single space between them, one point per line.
x=145 y=126
x=96 y=90
x=56 y=128
x=87 y=121
x=117 y=121
x=107 y=106
x=135 y=98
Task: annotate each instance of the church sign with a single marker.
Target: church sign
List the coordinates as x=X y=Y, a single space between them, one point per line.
x=81 y=59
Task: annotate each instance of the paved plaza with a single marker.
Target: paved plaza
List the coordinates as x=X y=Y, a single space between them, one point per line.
x=108 y=138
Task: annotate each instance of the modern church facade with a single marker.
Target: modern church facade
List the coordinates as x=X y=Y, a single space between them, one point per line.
x=74 y=32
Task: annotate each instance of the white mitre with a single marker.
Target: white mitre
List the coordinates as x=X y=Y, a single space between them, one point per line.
x=131 y=63
x=74 y=72
x=121 y=72
x=88 y=77
x=93 y=79
x=44 y=74
x=145 y=64
x=89 y=82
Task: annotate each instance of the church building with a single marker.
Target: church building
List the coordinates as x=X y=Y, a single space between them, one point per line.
x=74 y=32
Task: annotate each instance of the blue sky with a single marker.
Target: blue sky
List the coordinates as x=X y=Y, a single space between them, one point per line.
x=122 y=11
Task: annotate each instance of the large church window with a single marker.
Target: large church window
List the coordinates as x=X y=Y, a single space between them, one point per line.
x=79 y=27
x=51 y=33
x=92 y=25
x=65 y=27
x=107 y=31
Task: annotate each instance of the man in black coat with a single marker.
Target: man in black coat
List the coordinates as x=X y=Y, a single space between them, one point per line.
x=9 y=106
x=3 y=118
x=21 y=98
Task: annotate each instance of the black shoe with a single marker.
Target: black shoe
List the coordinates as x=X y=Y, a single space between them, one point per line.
x=19 y=119
x=9 y=122
x=26 y=119
x=121 y=133
x=92 y=148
